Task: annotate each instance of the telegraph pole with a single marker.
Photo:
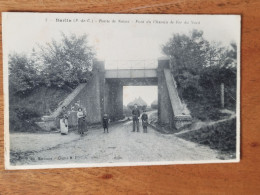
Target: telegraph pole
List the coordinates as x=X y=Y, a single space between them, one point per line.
x=222 y=95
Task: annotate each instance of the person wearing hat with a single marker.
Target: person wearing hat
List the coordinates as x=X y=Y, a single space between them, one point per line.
x=81 y=121
x=136 y=115
x=144 y=121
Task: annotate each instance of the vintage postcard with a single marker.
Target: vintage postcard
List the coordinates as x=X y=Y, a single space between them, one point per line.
x=95 y=90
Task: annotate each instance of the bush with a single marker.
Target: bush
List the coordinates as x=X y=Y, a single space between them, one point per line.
x=26 y=113
x=20 y=121
x=220 y=136
x=25 y=109
x=205 y=112
x=127 y=111
x=154 y=104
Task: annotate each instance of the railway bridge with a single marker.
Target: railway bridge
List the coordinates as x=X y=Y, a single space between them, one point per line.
x=104 y=93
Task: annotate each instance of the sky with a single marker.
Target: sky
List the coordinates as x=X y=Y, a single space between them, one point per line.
x=116 y=38
x=147 y=93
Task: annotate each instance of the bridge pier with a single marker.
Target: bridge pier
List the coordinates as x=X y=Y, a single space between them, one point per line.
x=165 y=112
x=113 y=104
x=91 y=97
x=171 y=110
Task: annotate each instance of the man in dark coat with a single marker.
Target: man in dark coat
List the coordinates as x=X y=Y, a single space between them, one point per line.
x=136 y=115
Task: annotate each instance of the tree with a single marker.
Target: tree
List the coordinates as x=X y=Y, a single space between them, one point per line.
x=188 y=55
x=22 y=75
x=199 y=67
x=154 y=104
x=67 y=62
x=187 y=52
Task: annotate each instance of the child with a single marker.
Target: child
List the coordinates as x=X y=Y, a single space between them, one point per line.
x=105 y=122
x=144 y=121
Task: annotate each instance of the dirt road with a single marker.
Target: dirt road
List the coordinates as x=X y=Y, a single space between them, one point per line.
x=119 y=145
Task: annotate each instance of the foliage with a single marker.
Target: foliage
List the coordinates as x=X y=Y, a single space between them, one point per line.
x=24 y=113
x=22 y=75
x=154 y=104
x=199 y=68
x=220 y=136
x=21 y=119
x=188 y=52
x=39 y=82
x=68 y=62
x=58 y=64
x=25 y=109
x=127 y=111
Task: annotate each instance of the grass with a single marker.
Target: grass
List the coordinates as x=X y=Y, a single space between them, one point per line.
x=220 y=136
x=25 y=110
x=205 y=112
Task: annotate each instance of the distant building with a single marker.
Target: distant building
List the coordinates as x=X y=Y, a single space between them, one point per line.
x=140 y=103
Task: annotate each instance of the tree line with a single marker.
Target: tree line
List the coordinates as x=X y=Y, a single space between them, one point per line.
x=64 y=63
x=199 y=67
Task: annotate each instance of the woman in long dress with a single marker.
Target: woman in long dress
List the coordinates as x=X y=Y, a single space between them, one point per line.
x=81 y=121
x=64 y=126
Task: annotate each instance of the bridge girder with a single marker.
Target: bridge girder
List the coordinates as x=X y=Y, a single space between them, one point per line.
x=131 y=73
x=134 y=82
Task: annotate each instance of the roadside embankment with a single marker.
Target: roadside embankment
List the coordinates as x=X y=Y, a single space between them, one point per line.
x=219 y=135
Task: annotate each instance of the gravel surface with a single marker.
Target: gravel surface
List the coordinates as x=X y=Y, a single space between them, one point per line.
x=119 y=145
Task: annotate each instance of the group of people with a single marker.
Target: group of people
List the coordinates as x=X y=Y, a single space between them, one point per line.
x=144 y=118
x=81 y=119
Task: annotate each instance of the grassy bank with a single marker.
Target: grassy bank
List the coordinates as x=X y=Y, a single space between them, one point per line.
x=25 y=110
x=220 y=136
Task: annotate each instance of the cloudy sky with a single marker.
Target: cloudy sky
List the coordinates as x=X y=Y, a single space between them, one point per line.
x=119 y=37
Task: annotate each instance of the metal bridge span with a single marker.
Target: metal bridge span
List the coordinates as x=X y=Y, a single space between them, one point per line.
x=130 y=73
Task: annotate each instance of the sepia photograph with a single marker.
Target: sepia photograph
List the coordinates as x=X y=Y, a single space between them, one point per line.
x=99 y=90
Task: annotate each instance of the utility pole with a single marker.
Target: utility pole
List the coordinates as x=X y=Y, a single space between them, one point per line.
x=222 y=95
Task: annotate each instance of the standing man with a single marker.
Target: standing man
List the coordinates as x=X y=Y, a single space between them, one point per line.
x=136 y=115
